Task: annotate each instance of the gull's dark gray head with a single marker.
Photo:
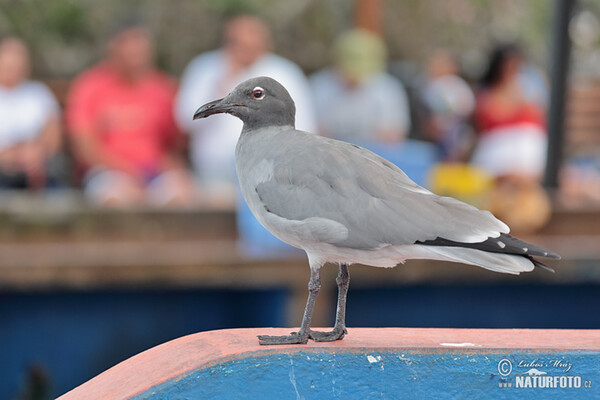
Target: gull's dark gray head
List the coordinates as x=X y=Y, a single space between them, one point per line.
x=258 y=102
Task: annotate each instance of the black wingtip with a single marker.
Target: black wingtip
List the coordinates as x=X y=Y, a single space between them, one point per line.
x=540 y=264
x=504 y=244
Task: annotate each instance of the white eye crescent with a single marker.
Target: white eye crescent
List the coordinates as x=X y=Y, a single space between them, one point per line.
x=258 y=93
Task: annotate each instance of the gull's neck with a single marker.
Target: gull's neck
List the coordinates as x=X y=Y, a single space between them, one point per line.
x=266 y=130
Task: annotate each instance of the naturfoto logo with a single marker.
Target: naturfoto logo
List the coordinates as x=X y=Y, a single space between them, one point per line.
x=539 y=374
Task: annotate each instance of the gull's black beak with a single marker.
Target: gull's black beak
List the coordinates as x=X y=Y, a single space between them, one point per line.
x=214 y=107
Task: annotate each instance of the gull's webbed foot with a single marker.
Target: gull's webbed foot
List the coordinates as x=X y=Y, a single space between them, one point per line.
x=293 y=338
x=335 y=334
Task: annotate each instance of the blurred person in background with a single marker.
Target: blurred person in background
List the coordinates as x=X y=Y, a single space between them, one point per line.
x=120 y=118
x=512 y=137
x=356 y=100
x=245 y=53
x=448 y=103
x=30 y=131
x=512 y=142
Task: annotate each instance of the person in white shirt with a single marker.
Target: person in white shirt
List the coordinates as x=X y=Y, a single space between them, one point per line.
x=447 y=106
x=245 y=53
x=356 y=100
x=30 y=131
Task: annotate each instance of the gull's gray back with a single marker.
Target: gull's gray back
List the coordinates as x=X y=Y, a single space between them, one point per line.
x=307 y=188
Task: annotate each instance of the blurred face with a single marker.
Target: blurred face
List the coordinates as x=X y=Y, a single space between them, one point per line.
x=131 y=52
x=14 y=62
x=441 y=63
x=246 y=40
x=511 y=66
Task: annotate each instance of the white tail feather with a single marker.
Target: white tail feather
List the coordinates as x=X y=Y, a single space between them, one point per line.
x=505 y=263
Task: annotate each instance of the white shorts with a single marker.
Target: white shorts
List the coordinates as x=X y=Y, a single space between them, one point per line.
x=516 y=149
x=101 y=185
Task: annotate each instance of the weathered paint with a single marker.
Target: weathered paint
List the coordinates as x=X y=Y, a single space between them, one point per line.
x=368 y=363
x=369 y=375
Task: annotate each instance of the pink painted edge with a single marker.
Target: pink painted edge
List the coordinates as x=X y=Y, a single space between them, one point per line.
x=177 y=357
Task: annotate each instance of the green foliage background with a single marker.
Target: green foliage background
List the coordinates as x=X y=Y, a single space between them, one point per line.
x=67 y=35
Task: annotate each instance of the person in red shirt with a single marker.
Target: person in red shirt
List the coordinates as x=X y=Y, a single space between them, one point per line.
x=119 y=115
x=511 y=129
x=512 y=143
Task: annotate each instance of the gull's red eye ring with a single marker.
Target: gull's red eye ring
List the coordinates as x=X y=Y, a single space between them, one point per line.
x=258 y=93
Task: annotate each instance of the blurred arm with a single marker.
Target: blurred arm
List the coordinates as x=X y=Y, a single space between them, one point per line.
x=86 y=146
x=30 y=156
x=51 y=138
x=175 y=142
x=191 y=93
x=394 y=111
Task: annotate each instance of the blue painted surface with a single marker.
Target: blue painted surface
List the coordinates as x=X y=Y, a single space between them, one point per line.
x=386 y=375
x=74 y=336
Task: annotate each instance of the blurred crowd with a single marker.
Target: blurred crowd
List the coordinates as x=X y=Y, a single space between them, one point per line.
x=128 y=133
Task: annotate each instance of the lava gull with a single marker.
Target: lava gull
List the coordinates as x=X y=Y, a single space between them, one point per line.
x=343 y=204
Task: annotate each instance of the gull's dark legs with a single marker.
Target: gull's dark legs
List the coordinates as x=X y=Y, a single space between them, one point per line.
x=300 y=337
x=339 y=330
